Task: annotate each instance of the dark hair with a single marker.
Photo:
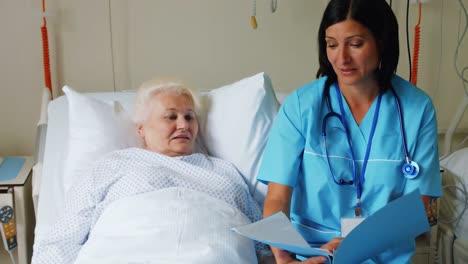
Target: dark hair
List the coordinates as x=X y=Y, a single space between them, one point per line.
x=378 y=17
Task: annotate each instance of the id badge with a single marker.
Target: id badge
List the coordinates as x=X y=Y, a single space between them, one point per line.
x=348 y=224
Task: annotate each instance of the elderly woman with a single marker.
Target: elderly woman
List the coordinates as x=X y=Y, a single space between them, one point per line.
x=166 y=120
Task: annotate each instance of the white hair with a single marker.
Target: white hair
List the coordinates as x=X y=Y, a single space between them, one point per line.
x=149 y=89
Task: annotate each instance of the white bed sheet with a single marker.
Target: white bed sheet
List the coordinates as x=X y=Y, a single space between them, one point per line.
x=136 y=237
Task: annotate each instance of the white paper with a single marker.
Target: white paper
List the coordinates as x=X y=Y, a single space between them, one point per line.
x=348 y=224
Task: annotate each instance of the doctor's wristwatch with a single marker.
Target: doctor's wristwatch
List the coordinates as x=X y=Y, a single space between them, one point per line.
x=430 y=204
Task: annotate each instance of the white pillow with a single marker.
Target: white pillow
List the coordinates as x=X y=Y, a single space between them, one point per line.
x=237 y=120
x=95 y=128
x=234 y=124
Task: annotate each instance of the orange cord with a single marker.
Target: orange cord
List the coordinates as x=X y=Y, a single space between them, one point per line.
x=45 y=52
x=417 y=36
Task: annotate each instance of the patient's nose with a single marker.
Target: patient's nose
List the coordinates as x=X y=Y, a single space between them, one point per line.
x=182 y=124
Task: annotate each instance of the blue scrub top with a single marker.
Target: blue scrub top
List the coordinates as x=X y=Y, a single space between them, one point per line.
x=295 y=155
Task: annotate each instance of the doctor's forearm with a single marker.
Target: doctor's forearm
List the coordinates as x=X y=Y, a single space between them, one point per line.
x=272 y=206
x=278 y=199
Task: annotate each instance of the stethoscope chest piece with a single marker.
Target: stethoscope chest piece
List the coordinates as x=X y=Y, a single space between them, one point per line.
x=410 y=170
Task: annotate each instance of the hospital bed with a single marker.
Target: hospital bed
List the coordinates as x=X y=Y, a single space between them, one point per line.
x=234 y=121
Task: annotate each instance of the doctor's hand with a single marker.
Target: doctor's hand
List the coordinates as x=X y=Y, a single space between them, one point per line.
x=284 y=257
x=333 y=244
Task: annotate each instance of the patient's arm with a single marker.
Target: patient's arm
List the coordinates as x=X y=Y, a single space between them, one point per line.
x=70 y=232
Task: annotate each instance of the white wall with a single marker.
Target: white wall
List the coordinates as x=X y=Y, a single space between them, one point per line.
x=210 y=42
x=118 y=44
x=20 y=75
x=440 y=32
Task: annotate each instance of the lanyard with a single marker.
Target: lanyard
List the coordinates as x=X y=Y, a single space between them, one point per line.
x=359 y=181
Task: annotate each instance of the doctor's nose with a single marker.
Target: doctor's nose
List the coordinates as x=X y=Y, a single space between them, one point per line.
x=343 y=55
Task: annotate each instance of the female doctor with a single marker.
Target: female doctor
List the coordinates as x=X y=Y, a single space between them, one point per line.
x=357 y=138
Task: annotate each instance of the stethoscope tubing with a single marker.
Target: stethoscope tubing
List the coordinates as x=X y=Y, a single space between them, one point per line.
x=400 y=114
x=324 y=136
x=359 y=181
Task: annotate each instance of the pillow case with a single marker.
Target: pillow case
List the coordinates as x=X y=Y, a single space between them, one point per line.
x=95 y=128
x=234 y=124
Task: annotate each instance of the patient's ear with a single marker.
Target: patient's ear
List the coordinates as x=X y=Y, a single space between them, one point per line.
x=140 y=130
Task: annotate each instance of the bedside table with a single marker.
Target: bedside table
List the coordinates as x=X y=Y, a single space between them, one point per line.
x=18 y=190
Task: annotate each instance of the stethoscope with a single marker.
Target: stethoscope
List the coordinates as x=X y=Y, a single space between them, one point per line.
x=410 y=169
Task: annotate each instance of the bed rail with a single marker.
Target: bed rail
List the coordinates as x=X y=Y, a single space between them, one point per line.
x=41 y=131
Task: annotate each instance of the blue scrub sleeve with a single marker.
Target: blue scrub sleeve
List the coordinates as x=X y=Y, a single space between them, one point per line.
x=283 y=153
x=426 y=154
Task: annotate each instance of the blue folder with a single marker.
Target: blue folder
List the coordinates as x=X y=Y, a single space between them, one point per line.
x=382 y=228
x=10 y=167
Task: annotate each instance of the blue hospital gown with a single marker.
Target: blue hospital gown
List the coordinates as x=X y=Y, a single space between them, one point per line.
x=134 y=171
